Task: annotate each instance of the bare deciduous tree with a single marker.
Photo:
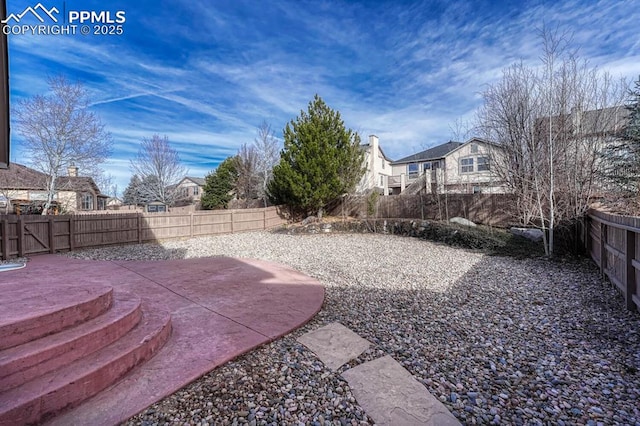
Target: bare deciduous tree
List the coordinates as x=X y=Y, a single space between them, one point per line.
x=59 y=130
x=255 y=164
x=267 y=156
x=248 y=183
x=551 y=122
x=159 y=167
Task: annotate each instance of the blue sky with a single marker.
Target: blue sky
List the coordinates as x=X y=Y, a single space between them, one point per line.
x=207 y=73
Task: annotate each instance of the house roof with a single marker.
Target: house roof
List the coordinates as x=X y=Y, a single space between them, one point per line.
x=435 y=153
x=18 y=177
x=196 y=180
x=77 y=184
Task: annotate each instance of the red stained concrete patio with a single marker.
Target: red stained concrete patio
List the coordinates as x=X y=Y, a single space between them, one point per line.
x=220 y=308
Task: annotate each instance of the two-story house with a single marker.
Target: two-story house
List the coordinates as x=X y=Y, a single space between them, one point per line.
x=377 y=167
x=452 y=167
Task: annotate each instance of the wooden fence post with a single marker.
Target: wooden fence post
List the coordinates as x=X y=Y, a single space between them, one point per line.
x=72 y=233
x=603 y=248
x=587 y=234
x=630 y=276
x=264 y=219
x=232 y=222
x=5 y=239
x=20 y=232
x=191 y=225
x=52 y=240
x=139 y=216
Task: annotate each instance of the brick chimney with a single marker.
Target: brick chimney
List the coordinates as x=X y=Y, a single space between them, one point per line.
x=72 y=171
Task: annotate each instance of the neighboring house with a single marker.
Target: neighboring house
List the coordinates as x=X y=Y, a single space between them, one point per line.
x=114 y=203
x=189 y=190
x=378 y=167
x=23 y=186
x=597 y=123
x=589 y=137
x=452 y=167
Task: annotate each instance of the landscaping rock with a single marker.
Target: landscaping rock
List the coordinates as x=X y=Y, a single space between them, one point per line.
x=309 y=220
x=519 y=341
x=462 y=221
x=532 y=234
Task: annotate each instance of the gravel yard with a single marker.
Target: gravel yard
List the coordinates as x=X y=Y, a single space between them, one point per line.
x=497 y=340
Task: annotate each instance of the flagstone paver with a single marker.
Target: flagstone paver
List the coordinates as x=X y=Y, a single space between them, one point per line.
x=392 y=396
x=334 y=344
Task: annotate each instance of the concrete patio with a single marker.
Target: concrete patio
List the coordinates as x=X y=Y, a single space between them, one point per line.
x=219 y=308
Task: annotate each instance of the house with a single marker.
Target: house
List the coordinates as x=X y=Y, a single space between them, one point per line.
x=451 y=167
x=588 y=140
x=23 y=187
x=189 y=190
x=378 y=167
x=114 y=203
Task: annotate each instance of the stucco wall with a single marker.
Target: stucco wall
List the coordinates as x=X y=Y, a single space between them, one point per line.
x=456 y=180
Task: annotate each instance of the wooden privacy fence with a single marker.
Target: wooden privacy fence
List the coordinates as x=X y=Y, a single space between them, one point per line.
x=489 y=209
x=28 y=235
x=613 y=243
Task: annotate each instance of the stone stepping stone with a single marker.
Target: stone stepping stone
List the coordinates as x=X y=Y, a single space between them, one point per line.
x=334 y=344
x=392 y=396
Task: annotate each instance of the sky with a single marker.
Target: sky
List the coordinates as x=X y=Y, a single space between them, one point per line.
x=207 y=73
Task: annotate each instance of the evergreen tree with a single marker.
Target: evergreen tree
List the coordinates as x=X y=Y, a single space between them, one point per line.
x=321 y=160
x=623 y=156
x=220 y=185
x=131 y=195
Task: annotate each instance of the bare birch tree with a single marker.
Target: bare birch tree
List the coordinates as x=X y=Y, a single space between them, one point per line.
x=551 y=122
x=159 y=167
x=267 y=156
x=59 y=130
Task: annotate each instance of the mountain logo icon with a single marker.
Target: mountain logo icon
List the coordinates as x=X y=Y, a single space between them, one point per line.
x=38 y=11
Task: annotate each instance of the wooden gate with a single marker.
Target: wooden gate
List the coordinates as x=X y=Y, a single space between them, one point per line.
x=25 y=235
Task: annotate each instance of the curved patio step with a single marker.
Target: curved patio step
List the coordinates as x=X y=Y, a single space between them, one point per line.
x=31 y=312
x=20 y=364
x=68 y=386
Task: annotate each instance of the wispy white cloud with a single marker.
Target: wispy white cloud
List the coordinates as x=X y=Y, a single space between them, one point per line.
x=206 y=74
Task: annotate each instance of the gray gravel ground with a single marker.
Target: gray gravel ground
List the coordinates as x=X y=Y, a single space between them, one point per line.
x=497 y=340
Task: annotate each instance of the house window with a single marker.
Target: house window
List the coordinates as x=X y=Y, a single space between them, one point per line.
x=382 y=161
x=474 y=148
x=477 y=189
x=196 y=190
x=426 y=166
x=156 y=208
x=382 y=181
x=483 y=164
x=435 y=164
x=87 y=202
x=466 y=165
x=412 y=170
